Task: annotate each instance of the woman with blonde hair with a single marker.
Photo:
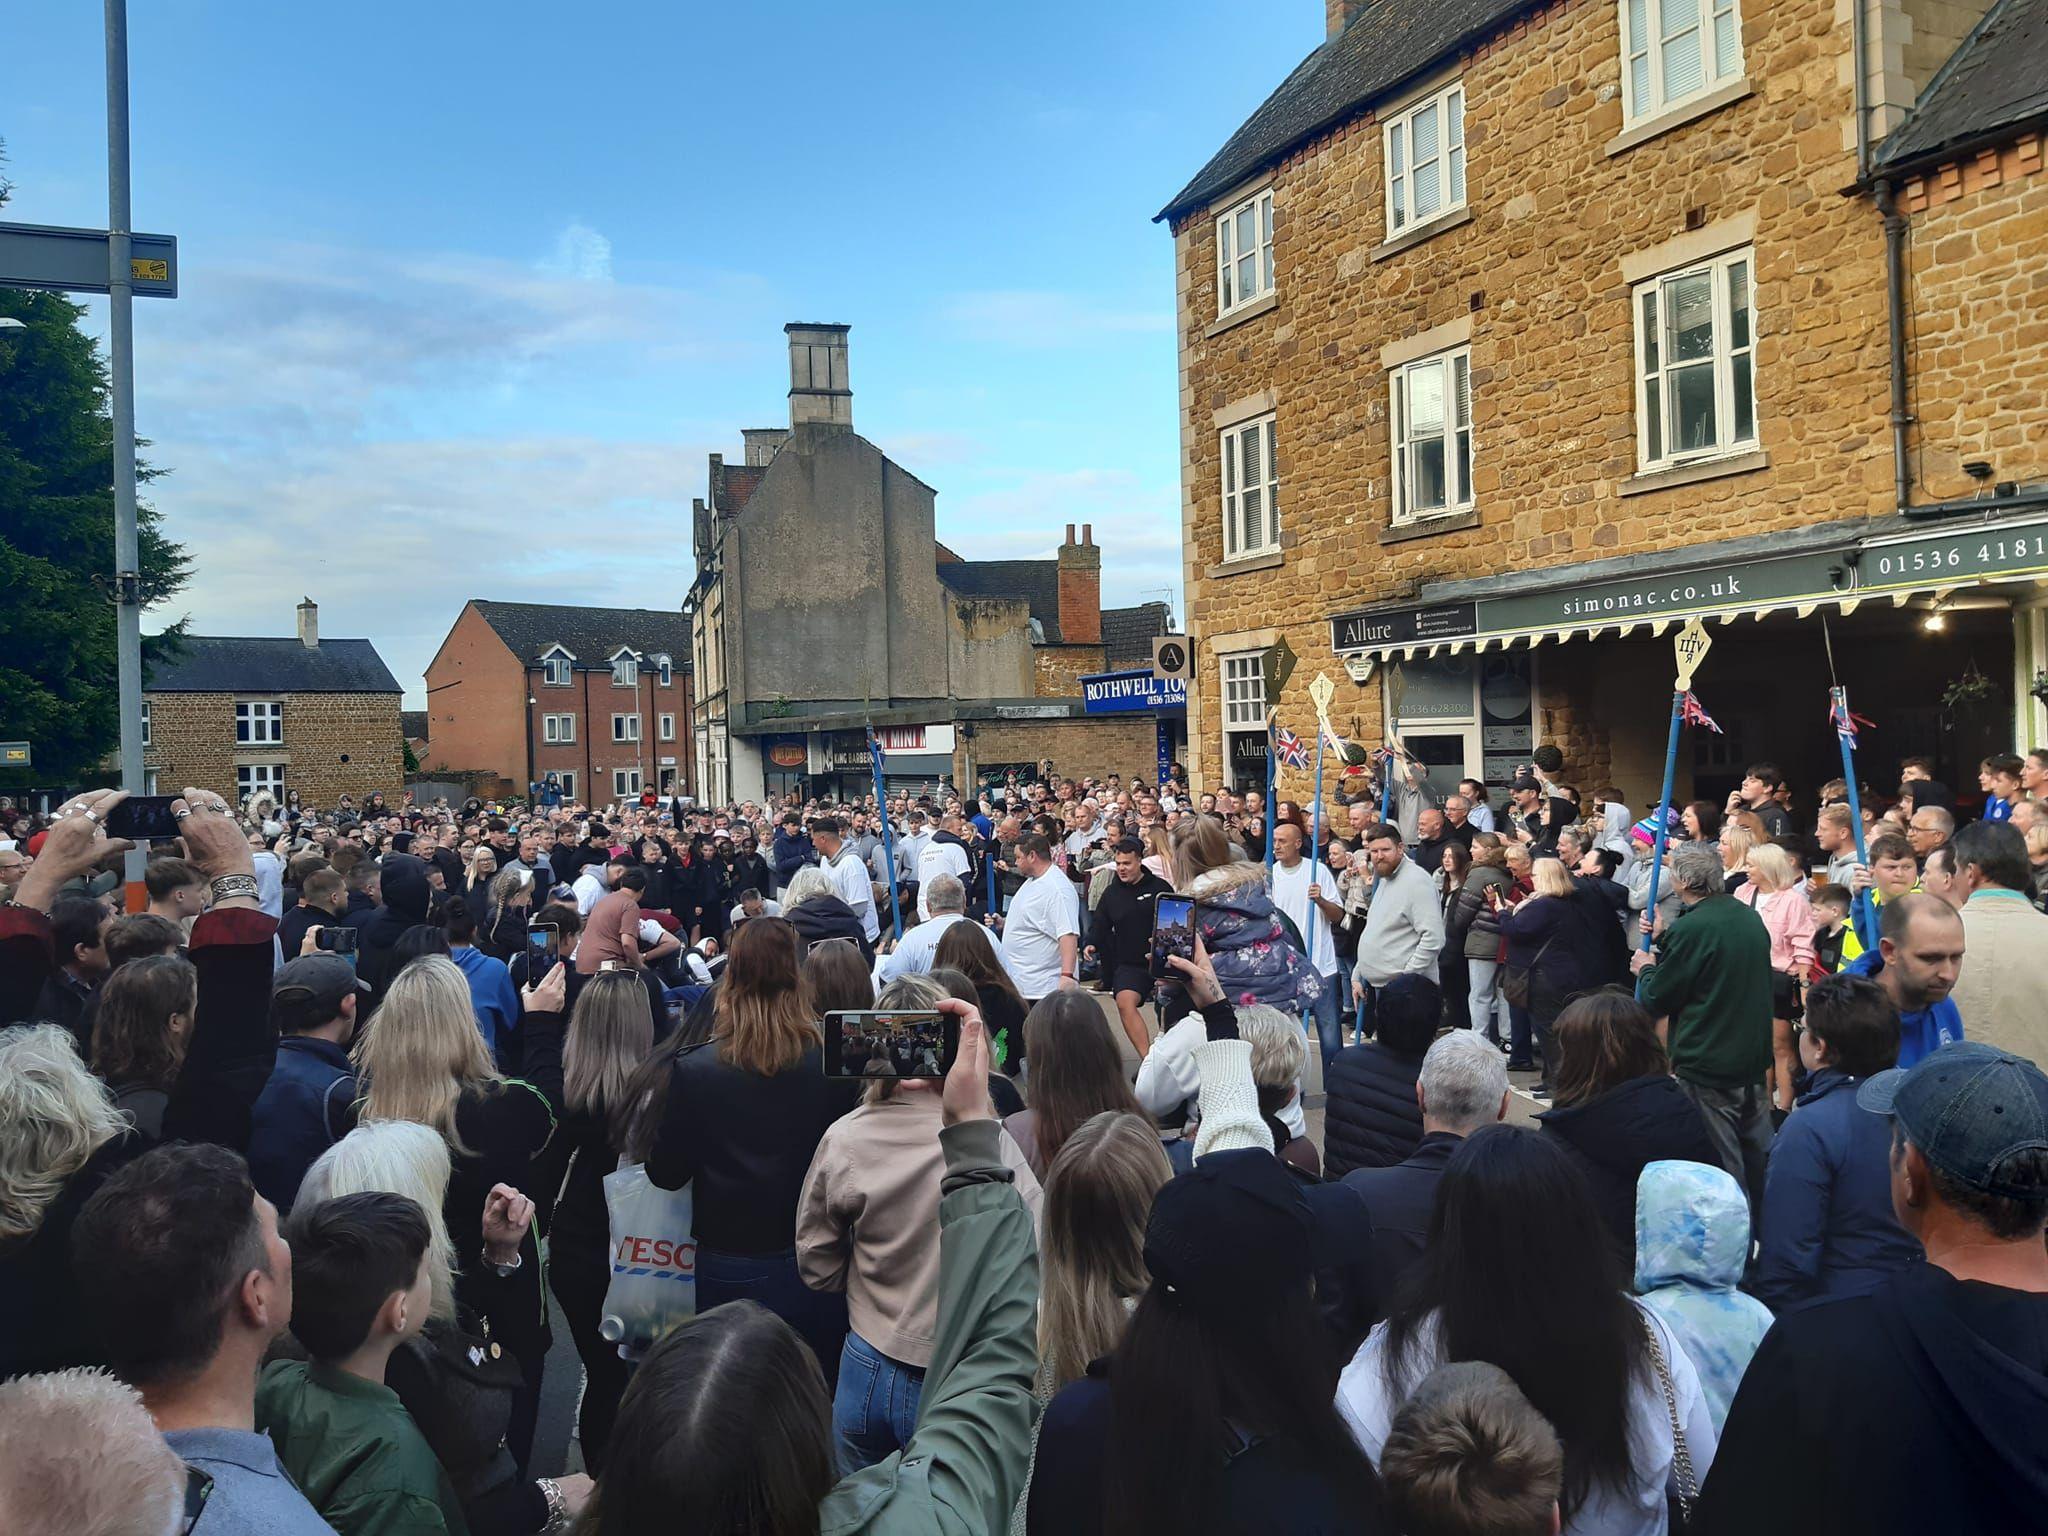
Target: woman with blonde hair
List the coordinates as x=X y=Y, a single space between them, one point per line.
x=60 y=1139
x=1158 y=858
x=505 y=917
x=141 y=1028
x=1737 y=839
x=1558 y=949
x=1777 y=890
x=424 y=1059
x=868 y=1226
x=611 y=1033
x=745 y=1112
x=461 y=1397
x=1098 y=1194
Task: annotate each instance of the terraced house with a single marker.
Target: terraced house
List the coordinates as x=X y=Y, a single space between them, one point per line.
x=1513 y=334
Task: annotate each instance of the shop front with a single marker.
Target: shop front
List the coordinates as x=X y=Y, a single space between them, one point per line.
x=1139 y=692
x=1937 y=631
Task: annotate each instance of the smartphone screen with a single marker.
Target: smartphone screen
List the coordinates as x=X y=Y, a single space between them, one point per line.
x=1173 y=931
x=880 y=1043
x=543 y=944
x=339 y=940
x=143 y=818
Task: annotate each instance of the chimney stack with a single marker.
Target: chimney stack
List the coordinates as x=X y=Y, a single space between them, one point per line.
x=761 y=443
x=1339 y=14
x=309 y=624
x=1080 y=586
x=818 y=387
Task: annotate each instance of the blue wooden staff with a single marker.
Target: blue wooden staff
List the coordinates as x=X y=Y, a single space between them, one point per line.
x=1271 y=769
x=1863 y=908
x=888 y=839
x=988 y=858
x=1691 y=647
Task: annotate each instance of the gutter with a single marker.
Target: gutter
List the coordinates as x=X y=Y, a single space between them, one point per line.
x=1895 y=232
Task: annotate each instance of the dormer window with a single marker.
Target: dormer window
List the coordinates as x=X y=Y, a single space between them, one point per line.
x=556 y=667
x=625 y=669
x=665 y=672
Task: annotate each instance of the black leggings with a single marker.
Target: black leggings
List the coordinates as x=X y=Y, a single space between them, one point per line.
x=579 y=1275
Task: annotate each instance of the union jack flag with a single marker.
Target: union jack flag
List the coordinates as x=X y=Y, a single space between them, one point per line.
x=1290 y=748
x=1694 y=713
x=1844 y=719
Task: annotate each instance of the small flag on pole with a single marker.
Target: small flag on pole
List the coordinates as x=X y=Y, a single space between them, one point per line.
x=1694 y=713
x=1844 y=719
x=1290 y=748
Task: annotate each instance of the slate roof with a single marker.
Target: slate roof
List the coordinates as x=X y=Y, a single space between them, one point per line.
x=1037 y=581
x=268 y=664
x=1995 y=83
x=1388 y=43
x=1128 y=633
x=413 y=722
x=591 y=634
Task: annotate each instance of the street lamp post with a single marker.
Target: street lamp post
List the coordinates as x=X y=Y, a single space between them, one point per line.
x=121 y=390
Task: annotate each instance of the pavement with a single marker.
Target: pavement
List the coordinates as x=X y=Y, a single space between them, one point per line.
x=554 y=1445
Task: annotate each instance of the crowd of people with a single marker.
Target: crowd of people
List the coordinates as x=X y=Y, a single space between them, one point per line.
x=298 y=1163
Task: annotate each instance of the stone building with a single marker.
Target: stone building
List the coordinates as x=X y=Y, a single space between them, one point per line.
x=823 y=602
x=1512 y=334
x=599 y=698
x=251 y=715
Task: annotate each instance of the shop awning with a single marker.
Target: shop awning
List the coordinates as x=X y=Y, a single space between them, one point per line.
x=1720 y=585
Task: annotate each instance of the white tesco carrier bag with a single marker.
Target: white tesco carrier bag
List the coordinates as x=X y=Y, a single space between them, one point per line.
x=654 y=1261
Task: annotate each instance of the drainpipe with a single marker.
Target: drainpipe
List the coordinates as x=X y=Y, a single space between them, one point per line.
x=1895 y=324
x=1860 y=83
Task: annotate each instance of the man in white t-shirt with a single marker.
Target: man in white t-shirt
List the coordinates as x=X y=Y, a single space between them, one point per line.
x=848 y=871
x=592 y=884
x=1042 y=931
x=912 y=836
x=947 y=898
x=1303 y=889
x=945 y=853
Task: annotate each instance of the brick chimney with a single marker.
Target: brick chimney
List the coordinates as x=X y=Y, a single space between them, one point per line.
x=1081 y=588
x=309 y=624
x=818 y=387
x=1339 y=14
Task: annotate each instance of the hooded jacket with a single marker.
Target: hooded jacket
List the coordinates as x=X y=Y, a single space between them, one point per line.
x=792 y=853
x=1692 y=1239
x=1247 y=943
x=1913 y=1409
x=403 y=881
x=827 y=917
x=1615 y=1135
x=1370 y=1118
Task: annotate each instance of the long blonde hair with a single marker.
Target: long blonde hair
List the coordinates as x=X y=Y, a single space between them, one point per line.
x=763 y=1020
x=393 y=1157
x=1199 y=845
x=610 y=1034
x=1736 y=843
x=423 y=1051
x=1098 y=1194
x=1550 y=878
x=1771 y=869
x=54 y=1115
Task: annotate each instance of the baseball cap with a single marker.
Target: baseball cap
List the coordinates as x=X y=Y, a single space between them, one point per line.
x=309 y=990
x=1969 y=1108
x=1235 y=1230
x=1523 y=782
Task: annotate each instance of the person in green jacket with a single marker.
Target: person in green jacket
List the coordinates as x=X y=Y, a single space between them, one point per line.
x=361 y=1285
x=1709 y=980
x=726 y=1429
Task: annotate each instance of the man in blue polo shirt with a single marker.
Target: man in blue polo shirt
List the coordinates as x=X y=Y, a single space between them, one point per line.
x=1919 y=954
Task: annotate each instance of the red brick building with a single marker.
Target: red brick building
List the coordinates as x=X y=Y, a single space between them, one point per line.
x=598 y=697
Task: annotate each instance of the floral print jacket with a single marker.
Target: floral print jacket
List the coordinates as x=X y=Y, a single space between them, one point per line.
x=1255 y=956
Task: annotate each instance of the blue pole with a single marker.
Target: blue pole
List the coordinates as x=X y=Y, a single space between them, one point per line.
x=1662 y=824
x=888 y=838
x=1315 y=852
x=988 y=859
x=1271 y=768
x=1865 y=907
x=1386 y=785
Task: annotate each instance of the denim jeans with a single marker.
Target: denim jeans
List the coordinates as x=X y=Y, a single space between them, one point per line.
x=773 y=1281
x=1489 y=1008
x=1327 y=1014
x=874 y=1409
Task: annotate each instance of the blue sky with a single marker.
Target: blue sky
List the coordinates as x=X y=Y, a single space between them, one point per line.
x=468 y=293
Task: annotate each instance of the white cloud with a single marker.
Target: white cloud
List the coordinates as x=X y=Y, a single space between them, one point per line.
x=1042 y=318
x=580 y=253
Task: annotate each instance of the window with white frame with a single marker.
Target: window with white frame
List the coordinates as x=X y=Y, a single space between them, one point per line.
x=555 y=729
x=668 y=727
x=1244 y=692
x=254 y=778
x=1244 y=253
x=625 y=727
x=1426 y=160
x=665 y=671
x=568 y=783
x=1432 y=436
x=625 y=781
x=1695 y=362
x=625 y=670
x=1674 y=50
x=556 y=668
x=1251 y=488
x=145 y=722
x=259 y=723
